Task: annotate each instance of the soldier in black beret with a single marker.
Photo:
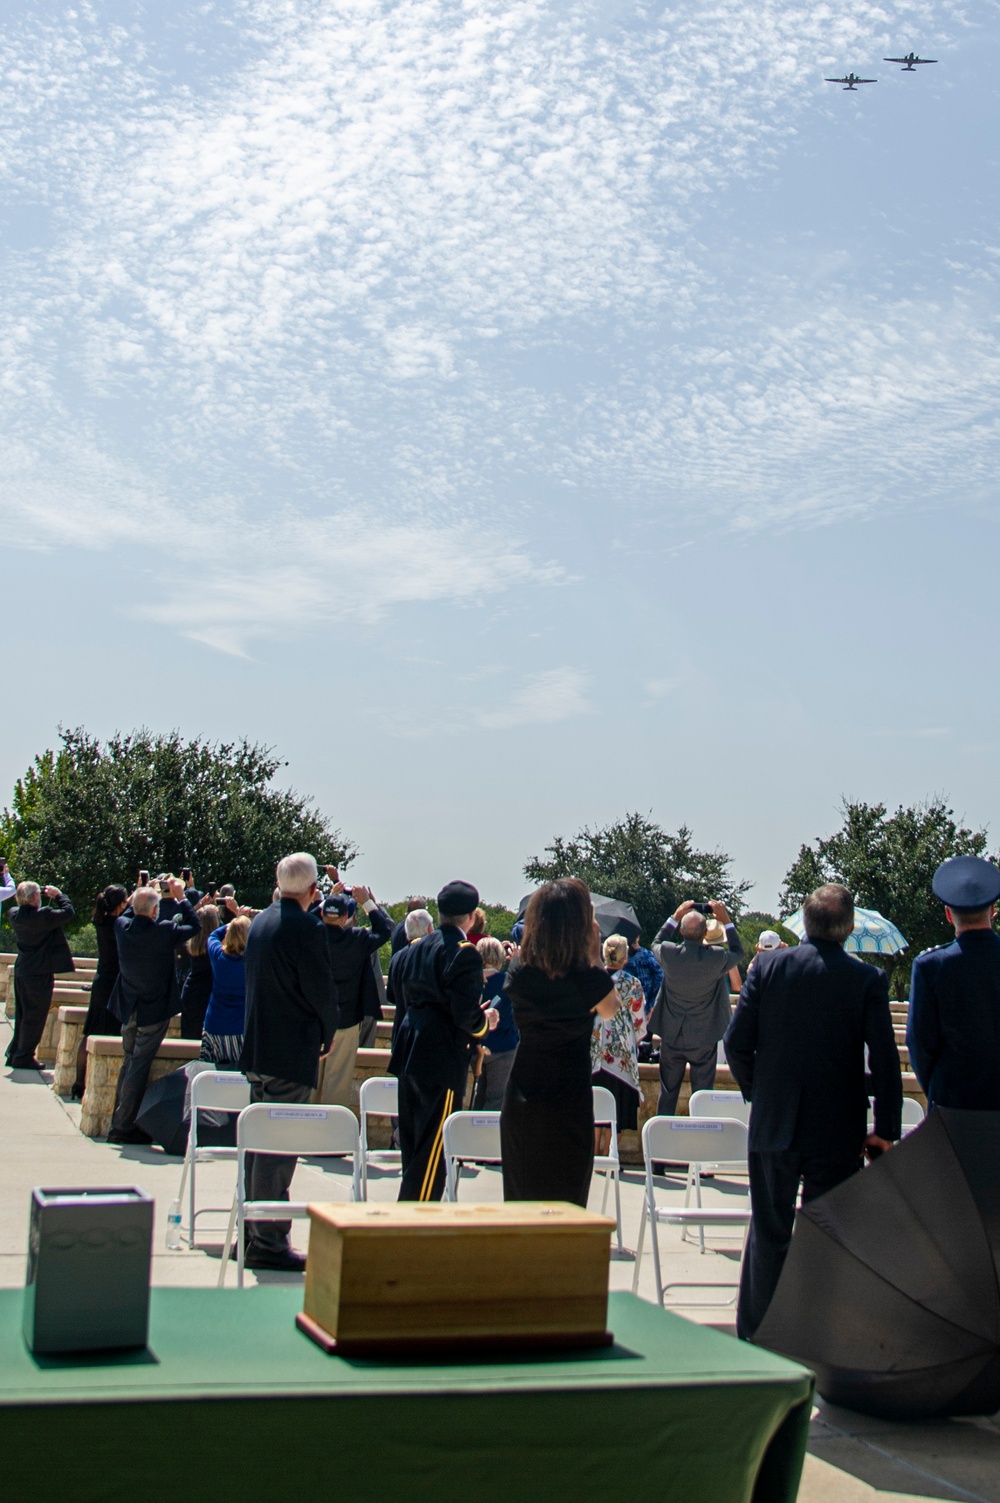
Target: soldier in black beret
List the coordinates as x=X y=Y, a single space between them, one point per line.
x=444 y=1020
x=953 y=1028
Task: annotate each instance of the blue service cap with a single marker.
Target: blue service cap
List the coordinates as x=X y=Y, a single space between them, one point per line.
x=340 y=903
x=967 y=882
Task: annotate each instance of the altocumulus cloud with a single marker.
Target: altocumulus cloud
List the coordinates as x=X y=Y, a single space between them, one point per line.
x=274 y=262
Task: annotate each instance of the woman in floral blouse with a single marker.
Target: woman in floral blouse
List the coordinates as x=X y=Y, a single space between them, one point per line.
x=614 y=1053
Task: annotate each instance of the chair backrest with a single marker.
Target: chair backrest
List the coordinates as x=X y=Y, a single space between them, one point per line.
x=220 y=1091
x=379 y=1096
x=605 y=1108
x=719 y=1104
x=695 y=1140
x=473 y=1135
x=266 y=1128
x=913 y=1112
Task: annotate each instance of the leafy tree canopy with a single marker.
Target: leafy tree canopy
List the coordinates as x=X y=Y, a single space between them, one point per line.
x=92 y=813
x=637 y=862
x=888 y=861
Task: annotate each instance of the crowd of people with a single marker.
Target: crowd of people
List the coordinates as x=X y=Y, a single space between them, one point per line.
x=528 y=1026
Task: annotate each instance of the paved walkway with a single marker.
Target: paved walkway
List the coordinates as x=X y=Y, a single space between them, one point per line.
x=852 y=1459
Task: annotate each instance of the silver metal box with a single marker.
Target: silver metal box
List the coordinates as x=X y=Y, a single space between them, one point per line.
x=89 y=1255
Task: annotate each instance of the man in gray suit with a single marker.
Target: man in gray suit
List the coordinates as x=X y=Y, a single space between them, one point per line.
x=692 y=1011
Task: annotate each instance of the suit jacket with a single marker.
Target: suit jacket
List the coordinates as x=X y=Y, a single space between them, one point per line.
x=396 y=985
x=692 y=1011
x=351 y=952
x=291 y=994
x=953 y=1030
x=796 y=1046
x=42 y=947
x=147 y=976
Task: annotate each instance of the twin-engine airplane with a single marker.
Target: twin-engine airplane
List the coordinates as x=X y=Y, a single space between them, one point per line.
x=850 y=81
x=910 y=62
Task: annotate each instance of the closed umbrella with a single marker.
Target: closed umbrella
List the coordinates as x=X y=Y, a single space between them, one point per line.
x=889 y=1292
x=872 y=934
x=166 y=1113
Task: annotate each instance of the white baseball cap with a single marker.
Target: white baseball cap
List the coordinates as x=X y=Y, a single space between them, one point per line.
x=768 y=940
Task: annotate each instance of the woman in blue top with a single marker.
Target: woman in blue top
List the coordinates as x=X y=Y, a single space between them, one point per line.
x=492 y=1079
x=225 y=1020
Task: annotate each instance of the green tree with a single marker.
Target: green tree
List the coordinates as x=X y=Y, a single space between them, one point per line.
x=92 y=813
x=637 y=862
x=888 y=862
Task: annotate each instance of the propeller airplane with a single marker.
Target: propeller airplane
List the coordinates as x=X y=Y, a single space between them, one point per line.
x=910 y=61
x=850 y=82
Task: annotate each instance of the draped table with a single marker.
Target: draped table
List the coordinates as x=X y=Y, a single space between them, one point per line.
x=231 y=1401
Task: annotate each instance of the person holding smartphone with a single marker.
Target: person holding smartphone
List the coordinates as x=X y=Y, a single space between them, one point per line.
x=692 y=1011
x=8 y=886
x=42 y=950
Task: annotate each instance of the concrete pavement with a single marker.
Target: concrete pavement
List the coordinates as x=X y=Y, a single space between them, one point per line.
x=852 y=1459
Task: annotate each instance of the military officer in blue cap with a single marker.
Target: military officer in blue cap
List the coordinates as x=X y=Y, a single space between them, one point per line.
x=953 y=1033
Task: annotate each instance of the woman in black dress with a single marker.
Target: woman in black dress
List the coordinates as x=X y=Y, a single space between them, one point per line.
x=110 y=903
x=556 y=985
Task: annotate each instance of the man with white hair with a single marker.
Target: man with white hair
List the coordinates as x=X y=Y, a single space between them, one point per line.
x=290 y=1023
x=42 y=950
x=146 y=995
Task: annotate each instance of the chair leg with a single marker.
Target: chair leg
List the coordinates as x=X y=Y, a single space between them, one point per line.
x=240 y=1244
x=227 y=1249
x=638 y=1251
x=654 y=1239
x=604 y=1198
x=618 y=1209
x=190 y=1165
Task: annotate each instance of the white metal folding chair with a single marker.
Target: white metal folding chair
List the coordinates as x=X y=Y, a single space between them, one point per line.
x=689 y=1140
x=378 y=1097
x=606 y=1115
x=318 y=1131
x=711 y=1104
x=913 y=1115
x=469 y=1138
x=211 y=1091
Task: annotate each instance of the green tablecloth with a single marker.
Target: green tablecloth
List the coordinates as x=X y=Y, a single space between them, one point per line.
x=233 y=1403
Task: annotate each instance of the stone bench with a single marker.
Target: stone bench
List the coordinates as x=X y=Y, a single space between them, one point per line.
x=104 y=1063
x=69 y=1032
x=64 y=991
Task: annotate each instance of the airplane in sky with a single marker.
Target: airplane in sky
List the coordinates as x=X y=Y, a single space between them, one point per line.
x=850 y=81
x=909 y=62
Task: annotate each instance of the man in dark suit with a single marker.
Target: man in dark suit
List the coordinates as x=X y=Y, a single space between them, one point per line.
x=146 y=994
x=796 y=1046
x=352 y=950
x=433 y=1048
x=417 y=925
x=42 y=950
x=290 y=1023
x=953 y=1028
x=692 y=1011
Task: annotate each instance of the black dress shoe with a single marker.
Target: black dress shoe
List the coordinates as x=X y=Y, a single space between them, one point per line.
x=26 y=1064
x=280 y=1260
x=130 y=1135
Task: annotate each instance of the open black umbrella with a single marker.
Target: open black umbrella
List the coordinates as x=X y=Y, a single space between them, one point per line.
x=166 y=1113
x=889 y=1292
x=613 y=917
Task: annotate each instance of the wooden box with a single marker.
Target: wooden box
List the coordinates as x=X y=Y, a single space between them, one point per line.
x=442 y=1277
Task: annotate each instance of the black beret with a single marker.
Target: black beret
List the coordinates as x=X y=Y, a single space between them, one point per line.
x=967 y=882
x=457 y=898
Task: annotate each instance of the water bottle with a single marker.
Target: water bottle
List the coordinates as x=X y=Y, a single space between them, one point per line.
x=174 y=1226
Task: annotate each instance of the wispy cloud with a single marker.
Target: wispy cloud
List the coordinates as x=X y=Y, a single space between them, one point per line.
x=355 y=285
x=542 y=699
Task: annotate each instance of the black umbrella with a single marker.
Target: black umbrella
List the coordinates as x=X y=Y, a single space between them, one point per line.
x=889 y=1292
x=166 y=1113
x=612 y=916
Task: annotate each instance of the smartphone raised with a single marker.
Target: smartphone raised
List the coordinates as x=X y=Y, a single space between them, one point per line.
x=144 y=879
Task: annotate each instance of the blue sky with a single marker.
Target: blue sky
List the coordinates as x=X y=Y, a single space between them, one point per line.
x=517 y=414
